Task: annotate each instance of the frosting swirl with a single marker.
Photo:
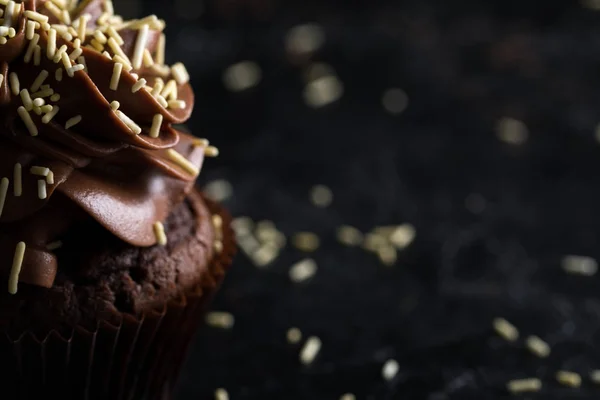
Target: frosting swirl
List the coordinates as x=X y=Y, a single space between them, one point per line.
x=87 y=107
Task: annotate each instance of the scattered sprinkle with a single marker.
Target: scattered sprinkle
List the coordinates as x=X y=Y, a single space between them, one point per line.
x=51 y=47
x=389 y=370
x=42 y=193
x=159 y=231
x=116 y=76
x=135 y=128
x=221 y=394
x=348 y=396
x=310 y=350
x=40 y=171
x=50 y=178
x=180 y=73
x=140 y=45
x=26 y=118
x=3 y=191
x=505 y=329
x=183 y=162
x=321 y=196
x=537 y=346
x=394 y=101
x=303 y=270
x=512 y=131
x=403 y=236
x=580 y=265
x=26 y=99
x=524 y=385
x=374 y=241
x=387 y=255
x=211 y=151
x=35 y=16
x=30 y=30
x=294 y=335
x=48 y=117
x=262 y=255
x=138 y=85
x=323 y=91
x=58 y=74
x=349 y=235
x=303 y=39
x=156 y=125
x=595 y=376
x=242 y=76
x=31 y=48
x=218 y=190
x=15 y=85
x=18 y=181
x=115 y=105
x=220 y=319
x=73 y=121
x=13 y=280
x=306 y=241
x=54 y=245
x=568 y=378
x=39 y=81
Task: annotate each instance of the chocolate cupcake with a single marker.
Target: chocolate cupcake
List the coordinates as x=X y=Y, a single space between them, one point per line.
x=110 y=253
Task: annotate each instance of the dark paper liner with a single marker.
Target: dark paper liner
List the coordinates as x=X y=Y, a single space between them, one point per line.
x=138 y=358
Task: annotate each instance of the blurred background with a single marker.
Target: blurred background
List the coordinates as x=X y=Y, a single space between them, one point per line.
x=459 y=138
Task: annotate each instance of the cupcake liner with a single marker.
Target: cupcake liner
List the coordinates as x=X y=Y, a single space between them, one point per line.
x=137 y=358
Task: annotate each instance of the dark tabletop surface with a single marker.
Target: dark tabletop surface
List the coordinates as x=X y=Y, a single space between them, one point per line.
x=493 y=220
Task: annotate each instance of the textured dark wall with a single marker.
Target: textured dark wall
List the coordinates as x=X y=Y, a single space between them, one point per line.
x=493 y=219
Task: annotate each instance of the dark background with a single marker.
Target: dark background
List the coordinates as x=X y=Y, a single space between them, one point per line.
x=464 y=65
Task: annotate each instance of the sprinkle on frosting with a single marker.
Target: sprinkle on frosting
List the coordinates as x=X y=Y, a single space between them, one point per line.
x=135 y=128
x=140 y=45
x=156 y=124
x=310 y=350
x=41 y=171
x=159 y=231
x=116 y=76
x=3 y=191
x=73 y=121
x=18 y=180
x=48 y=117
x=115 y=105
x=182 y=162
x=58 y=74
x=50 y=178
x=39 y=81
x=26 y=118
x=138 y=85
x=54 y=245
x=211 y=151
x=15 y=85
x=42 y=193
x=13 y=280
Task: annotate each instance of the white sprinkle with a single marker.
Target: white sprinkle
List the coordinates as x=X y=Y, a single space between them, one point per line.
x=18 y=178
x=112 y=33
x=159 y=232
x=15 y=85
x=37 y=56
x=306 y=241
x=59 y=53
x=211 y=151
x=140 y=46
x=159 y=84
x=4 y=31
x=160 y=49
x=116 y=48
x=389 y=370
x=26 y=99
x=148 y=61
x=76 y=53
x=30 y=30
x=73 y=121
x=305 y=39
x=1 y=79
x=42 y=194
x=81 y=29
x=524 y=385
x=348 y=396
x=13 y=280
x=36 y=16
x=349 y=235
x=66 y=62
x=242 y=76
x=176 y=104
x=50 y=178
x=303 y=270
x=221 y=394
x=81 y=60
x=100 y=37
x=321 y=196
x=394 y=101
x=77 y=43
x=161 y=100
x=568 y=378
x=512 y=131
x=170 y=90
x=41 y=171
x=3 y=40
x=115 y=105
x=58 y=74
x=78 y=67
x=39 y=81
x=45 y=92
x=220 y=319
x=48 y=117
x=183 y=162
x=54 y=245
x=219 y=190
x=323 y=91
x=46 y=108
x=580 y=265
x=126 y=65
x=156 y=125
x=595 y=376
x=505 y=329
x=387 y=255
x=138 y=85
x=135 y=128
x=65 y=17
x=537 y=346
x=51 y=49
x=55 y=97
x=31 y=48
x=27 y=121
x=108 y=7
x=403 y=236
x=96 y=45
x=294 y=335
x=12 y=32
x=180 y=73
x=261 y=255
x=3 y=191
x=116 y=76
x=310 y=350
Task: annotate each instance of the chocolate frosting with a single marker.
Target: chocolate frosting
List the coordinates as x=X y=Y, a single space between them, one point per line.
x=102 y=170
